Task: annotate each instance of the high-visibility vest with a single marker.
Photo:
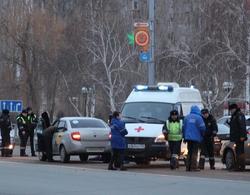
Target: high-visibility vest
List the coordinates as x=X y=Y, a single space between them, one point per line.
x=31 y=118
x=174 y=130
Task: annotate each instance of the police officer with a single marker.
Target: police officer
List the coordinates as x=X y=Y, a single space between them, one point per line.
x=207 y=145
x=31 y=124
x=5 y=126
x=172 y=130
x=238 y=135
x=22 y=131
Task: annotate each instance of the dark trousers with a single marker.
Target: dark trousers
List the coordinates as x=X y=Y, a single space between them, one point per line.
x=191 y=163
x=207 y=150
x=31 y=136
x=117 y=158
x=175 y=150
x=48 y=146
x=5 y=142
x=240 y=155
x=23 y=142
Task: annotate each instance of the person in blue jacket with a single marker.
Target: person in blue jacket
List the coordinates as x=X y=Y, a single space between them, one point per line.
x=193 y=131
x=118 y=141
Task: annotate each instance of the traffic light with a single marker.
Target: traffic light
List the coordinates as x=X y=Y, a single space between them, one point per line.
x=141 y=36
x=131 y=38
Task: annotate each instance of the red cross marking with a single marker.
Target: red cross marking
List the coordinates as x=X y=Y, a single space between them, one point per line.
x=139 y=129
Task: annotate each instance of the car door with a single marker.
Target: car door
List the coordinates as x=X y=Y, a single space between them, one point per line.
x=247 y=147
x=58 y=136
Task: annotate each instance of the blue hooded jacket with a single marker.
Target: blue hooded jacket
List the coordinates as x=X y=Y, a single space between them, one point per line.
x=194 y=126
x=118 y=132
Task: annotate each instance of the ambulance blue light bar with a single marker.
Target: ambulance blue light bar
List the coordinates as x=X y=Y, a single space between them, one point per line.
x=141 y=87
x=154 y=88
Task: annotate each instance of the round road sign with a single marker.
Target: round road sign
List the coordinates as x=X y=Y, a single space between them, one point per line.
x=141 y=38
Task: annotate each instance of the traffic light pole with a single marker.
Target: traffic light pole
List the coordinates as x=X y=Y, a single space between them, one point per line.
x=151 y=63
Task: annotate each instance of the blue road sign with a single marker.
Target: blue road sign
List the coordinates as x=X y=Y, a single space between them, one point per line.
x=11 y=105
x=144 y=56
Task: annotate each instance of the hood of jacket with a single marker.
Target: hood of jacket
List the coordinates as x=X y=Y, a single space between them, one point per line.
x=195 y=110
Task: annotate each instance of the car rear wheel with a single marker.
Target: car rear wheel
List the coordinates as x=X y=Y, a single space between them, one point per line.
x=64 y=157
x=83 y=157
x=229 y=160
x=42 y=156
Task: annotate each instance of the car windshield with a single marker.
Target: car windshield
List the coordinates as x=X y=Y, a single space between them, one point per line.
x=86 y=123
x=248 y=122
x=223 y=129
x=224 y=120
x=148 y=112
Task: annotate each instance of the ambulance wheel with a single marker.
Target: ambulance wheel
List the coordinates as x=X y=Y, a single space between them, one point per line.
x=142 y=161
x=42 y=156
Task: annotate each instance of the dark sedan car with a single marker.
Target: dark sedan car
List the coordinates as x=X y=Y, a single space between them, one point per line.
x=228 y=152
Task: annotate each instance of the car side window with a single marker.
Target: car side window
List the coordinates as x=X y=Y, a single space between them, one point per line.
x=61 y=125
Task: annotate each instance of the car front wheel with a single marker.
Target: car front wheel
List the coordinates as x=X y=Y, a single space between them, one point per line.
x=229 y=160
x=42 y=156
x=64 y=157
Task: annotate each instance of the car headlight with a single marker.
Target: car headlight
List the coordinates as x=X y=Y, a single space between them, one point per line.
x=160 y=139
x=184 y=150
x=10 y=147
x=216 y=139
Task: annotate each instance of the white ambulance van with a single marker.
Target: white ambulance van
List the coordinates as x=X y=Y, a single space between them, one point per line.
x=145 y=111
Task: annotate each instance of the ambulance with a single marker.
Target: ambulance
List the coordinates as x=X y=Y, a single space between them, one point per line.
x=146 y=110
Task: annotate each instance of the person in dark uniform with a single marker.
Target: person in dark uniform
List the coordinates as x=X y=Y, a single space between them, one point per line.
x=31 y=124
x=45 y=120
x=238 y=135
x=22 y=131
x=48 y=135
x=207 y=145
x=5 y=126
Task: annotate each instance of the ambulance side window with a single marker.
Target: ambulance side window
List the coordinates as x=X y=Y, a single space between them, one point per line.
x=178 y=107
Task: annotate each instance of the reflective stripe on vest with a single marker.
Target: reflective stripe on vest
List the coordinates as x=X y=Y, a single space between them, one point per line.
x=23 y=120
x=31 y=118
x=174 y=130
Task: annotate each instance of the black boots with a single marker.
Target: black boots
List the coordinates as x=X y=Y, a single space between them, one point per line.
x=211 y=163
x=202 y=163
x=174 y=163
x=22 y=152
x=110 y=167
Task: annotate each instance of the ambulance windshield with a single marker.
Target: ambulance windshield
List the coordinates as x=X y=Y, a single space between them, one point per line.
x=148 y=112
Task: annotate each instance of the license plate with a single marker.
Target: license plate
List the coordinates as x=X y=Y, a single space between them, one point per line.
x=95 y=150
x=136 y=146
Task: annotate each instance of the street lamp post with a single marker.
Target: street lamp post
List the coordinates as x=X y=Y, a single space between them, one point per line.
x=85 y=100
x=228 y=86
x=208 y=94
x=89 y=100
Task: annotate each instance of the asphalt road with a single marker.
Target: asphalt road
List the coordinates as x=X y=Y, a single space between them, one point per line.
x=156 y=167
x=22 y=178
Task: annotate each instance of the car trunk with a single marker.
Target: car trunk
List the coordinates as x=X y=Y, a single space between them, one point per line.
x=94 y=134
